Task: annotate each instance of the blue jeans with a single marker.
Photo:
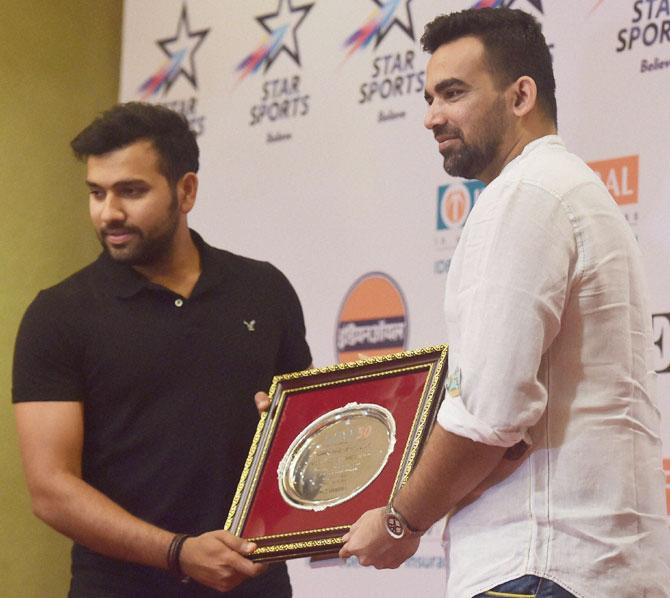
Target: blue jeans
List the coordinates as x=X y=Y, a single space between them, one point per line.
x=528 y=586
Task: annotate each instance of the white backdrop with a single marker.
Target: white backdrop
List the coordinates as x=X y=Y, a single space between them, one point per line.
x=314 y=157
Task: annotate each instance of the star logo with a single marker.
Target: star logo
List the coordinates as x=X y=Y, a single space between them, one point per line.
x=180 y=51
x=380 y=23
x=281 y=27
x=404 y=23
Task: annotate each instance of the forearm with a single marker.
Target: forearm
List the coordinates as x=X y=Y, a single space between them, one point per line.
x=449 y=469
x=51 y=436
x=79 y=511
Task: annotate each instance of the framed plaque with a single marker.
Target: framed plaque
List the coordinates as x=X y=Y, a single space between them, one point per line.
x=335 y=442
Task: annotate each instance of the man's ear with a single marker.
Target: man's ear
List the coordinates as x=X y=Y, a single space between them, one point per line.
x=187 y=190
x=524 y=95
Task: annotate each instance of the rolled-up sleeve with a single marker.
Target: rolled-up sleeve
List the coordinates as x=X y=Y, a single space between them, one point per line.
x=506 y=291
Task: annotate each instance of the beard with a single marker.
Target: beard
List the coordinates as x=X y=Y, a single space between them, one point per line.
x=472 y=158
x=144 y=248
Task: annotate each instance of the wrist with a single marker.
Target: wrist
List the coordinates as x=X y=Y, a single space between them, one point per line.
x=174 y=555
x=397 y=526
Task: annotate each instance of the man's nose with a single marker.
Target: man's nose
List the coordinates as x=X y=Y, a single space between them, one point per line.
x=434 y=116
x=112 y=209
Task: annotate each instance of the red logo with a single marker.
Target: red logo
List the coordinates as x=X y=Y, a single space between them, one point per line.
x=620 y=176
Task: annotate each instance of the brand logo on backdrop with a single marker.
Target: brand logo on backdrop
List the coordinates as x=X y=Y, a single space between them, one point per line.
x=379 y=23
x=372 y=320
x=281 y=99
x=393 y=76
x=620 y=176
x=661 y=332
x=454 y=202
x=281 y=29
x=180 y=50
x=648 y=28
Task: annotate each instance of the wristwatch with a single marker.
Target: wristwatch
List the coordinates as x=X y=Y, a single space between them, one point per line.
x=396 y=525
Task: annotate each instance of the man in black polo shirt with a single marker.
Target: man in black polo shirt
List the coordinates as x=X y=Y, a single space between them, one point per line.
x=133 y=378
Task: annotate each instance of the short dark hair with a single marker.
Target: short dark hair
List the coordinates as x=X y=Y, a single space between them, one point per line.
x=124 y=124
x=514 y=45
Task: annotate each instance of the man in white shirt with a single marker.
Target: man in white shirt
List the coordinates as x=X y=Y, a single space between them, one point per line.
x=547 y=453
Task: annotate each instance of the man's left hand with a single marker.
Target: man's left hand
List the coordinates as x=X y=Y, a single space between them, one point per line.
x=371 y=543
x=262 y=401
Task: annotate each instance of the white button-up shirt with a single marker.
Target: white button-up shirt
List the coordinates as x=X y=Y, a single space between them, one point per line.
x=550 y=342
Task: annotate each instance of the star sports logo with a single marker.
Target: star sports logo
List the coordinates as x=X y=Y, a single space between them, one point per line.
x=379 y=23
x=505 y=4
x=180 y=51
x=281 y=27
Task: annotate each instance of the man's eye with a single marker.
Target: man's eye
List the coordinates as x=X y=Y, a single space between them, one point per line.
x=453 y=93
x=96 y=194
x=133 y=191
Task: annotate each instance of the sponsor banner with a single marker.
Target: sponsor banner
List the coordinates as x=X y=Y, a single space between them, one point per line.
x=315 y=158
x=648 y=27
x=641 y=30
x=372 y=320
x=281 y=96
x=386 y=39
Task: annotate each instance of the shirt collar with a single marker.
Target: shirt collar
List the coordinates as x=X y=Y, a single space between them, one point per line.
x=124 y=281
x=540 y=142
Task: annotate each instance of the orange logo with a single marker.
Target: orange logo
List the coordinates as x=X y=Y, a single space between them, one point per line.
x=620 y=176
x=372 y=320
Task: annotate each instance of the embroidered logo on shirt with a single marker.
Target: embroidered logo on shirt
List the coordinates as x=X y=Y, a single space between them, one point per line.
x=251 y=326
x=454 y=383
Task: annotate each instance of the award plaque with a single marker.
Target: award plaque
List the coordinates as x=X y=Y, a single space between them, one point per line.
x=335 y=442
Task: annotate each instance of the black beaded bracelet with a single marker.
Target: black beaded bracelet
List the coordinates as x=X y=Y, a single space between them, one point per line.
x=173 y=554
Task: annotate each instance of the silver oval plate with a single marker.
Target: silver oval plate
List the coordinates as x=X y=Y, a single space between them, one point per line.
x=337 y=456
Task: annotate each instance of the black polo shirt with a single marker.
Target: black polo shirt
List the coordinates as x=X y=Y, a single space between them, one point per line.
x=167 y=382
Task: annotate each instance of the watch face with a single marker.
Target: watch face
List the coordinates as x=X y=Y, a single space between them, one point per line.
x=394 y=526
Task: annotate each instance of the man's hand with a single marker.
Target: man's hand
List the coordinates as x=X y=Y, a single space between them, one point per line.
x=370 y=542
x=262 y=401
x=215 y=559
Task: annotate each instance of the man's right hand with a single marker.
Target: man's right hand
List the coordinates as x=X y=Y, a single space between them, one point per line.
x=217 y=559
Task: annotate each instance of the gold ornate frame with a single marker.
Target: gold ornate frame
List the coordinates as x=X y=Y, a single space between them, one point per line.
x=313 y=535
